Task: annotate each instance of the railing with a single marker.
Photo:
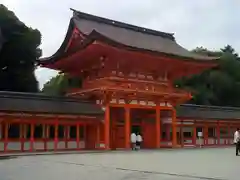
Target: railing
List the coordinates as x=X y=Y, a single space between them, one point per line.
x=139 y=86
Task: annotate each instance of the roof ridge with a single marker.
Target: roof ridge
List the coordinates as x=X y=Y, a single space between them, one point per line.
x=122 y=24
x=41 y=96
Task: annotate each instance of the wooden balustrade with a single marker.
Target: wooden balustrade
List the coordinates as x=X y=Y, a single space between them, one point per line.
x=129 y=84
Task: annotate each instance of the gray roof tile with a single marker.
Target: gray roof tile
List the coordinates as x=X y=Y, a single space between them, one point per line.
x=201 y=112
x=38 y=103
x=133 y=36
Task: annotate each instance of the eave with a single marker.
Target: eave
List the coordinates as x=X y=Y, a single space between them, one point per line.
x=62 y=49
x=97 y=38
x=33 y=103
x=207 y=113
x=97 y=35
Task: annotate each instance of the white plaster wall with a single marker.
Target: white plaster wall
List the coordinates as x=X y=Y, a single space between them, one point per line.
x=113 y=101
x=50 y=145
x=199 y=141
x=165 y=104
x=61 y=145
x=210 y=141
x=142 y=102
x=1 y=146
x=151 y=103
x=14 y=146
x=38 y=145
x=121 y=101
x=72 y=144
x=26 y=146
x=222 y=141
x=133 y=102
x=188 y=141
x=168 y=104
x=189 y=145
x=82 y=144
x=169 y=143
x=102 y=145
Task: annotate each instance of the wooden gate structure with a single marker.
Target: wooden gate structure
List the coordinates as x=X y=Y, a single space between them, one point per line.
x=127 y=77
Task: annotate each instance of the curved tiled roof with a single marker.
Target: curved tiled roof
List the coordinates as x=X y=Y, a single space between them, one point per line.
x=201 y=112
x=138 y=38
x=39 y=103
x=133 y=36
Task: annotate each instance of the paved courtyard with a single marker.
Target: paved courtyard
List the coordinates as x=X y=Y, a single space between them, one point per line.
x=188 y=164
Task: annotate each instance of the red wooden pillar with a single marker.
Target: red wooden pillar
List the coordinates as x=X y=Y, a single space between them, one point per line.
x=85 y=135
x=205 y=134
x=56 y=136
x=44 y=134
x=22 y=138
x=78 y=135
x=107 y=127
x=5 y=136
x=158 y=128
x=98 y=136
x=174 y=128
x=127 y=127
x=47 y=134
x=181 y=134
x=1 y=130
x=66 y=135
x=25 y=128
x=31 y=135
x=229 y=134
x=194 y=136
x=218 y=133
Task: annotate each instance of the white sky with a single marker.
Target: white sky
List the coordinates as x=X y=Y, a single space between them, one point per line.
x=209 y=23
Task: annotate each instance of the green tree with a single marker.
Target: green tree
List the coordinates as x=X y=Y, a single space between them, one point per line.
x=59 y=85
x=18 y=54
x=218 y=86
x=56 y=85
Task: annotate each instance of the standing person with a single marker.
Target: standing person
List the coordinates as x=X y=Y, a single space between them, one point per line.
x=237 y=140
x=133 y=141
x=139 y=141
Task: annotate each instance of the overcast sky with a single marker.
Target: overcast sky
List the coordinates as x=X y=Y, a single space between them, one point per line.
x=209 y=23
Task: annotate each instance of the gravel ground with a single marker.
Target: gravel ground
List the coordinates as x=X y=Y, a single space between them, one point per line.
x=185 y=164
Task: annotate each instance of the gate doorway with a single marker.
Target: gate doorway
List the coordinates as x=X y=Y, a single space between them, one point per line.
x=136 y=129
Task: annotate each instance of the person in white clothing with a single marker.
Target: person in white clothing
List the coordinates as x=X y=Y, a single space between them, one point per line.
x=133 y=141
x=236 y=140
x=139 y=141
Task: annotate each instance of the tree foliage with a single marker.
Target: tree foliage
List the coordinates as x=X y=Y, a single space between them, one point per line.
x=56 y=86
x=218 y=86
x=59 y=85
x=18 y=54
